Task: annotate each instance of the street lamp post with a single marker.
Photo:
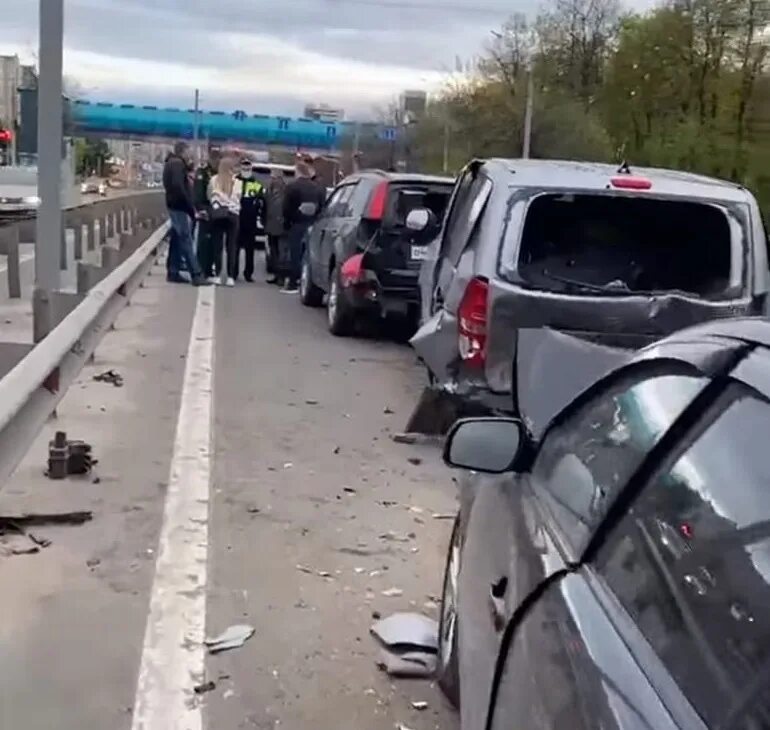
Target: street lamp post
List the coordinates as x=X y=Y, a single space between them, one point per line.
x=49 y=146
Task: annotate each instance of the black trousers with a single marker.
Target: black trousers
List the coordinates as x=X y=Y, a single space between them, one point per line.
x=224 y=235
x=273 y=255
x=209 y=263
x=247 y=232
x=296 y=248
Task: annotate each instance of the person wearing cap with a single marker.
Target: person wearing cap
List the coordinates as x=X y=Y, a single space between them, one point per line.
x=301 y=204
x=252 y=208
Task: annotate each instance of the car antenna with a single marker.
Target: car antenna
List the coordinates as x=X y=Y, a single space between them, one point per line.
x=624 y=168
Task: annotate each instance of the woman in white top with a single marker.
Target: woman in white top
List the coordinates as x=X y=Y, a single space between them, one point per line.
x=225 y=192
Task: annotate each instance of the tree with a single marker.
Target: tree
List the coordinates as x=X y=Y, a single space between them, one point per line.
x=92 y=157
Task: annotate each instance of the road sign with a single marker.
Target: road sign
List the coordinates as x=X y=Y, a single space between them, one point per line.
x=388 y=134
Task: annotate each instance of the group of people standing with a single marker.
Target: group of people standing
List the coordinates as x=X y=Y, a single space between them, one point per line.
x=222 y=204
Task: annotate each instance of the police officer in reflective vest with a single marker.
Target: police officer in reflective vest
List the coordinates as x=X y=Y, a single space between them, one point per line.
x=252 y=208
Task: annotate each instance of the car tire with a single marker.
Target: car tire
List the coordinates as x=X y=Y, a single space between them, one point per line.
x=340 y=314
x=448 y=668
x=309 y=294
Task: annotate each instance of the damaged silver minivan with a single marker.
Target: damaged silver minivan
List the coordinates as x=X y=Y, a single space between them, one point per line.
x=615 y=256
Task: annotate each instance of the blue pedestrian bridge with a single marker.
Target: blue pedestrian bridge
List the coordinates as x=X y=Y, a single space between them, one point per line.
x=150 y=121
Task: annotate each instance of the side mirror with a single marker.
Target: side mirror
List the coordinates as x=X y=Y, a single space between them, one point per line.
x=490 y=445
x=418 y=219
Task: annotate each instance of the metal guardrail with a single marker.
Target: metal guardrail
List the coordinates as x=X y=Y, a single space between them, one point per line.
x=30 y=391
x=101 y=219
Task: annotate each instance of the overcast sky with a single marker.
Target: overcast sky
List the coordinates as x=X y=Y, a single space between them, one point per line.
x=269 y=56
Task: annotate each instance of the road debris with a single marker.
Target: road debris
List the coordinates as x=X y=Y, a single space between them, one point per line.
x=110 y=376
x=288 y=465
x=311 y=402
x=404 y=438
x=231 y=638
x=349 y=490
x=420 y=705
x=200 y=689
x=407 y=631
x=393 y=593
x=391 y=536
x=388 y=411
x=312 y=571
x=415 y=460
x=68 y=457
x=43 y=518
x=443 y=516
x=411 y=665
x=401 y=726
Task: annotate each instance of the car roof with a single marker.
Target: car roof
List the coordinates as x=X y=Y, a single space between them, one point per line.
x=402 y=177
x=596 y=176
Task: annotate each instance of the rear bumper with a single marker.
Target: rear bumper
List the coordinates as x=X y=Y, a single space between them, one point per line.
x=386 y=292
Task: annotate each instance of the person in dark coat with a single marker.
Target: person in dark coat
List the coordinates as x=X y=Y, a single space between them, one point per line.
x=252 y=210
x=181 y=211
x=301 y=205
x=274 y=227
x=205 y=246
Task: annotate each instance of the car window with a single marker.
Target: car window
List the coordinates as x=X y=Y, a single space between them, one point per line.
x=342 y=204
x=465 y=216
x=331 y=203
x=691 y=564
x=360 y=197
x=461 y=192
x=589 y=455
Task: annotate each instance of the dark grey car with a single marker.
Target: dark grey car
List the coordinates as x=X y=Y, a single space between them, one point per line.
x=616 y=575
x=620 y=256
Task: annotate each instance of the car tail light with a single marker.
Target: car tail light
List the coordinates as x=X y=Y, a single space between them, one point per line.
x=352 y=271
x=376 y=209
x=472 y=323
x=626 y=182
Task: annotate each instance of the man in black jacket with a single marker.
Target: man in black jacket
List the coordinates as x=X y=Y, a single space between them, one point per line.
x=252 y=209
x=176 y=182
x=301 y=205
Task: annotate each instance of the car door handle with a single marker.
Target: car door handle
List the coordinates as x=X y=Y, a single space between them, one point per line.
x=497 y=603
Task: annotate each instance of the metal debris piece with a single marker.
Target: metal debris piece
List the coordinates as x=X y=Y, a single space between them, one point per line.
x=407 y=630
x=420 y=705
x=67 y=457
x=401 y=726
x=305 y=569
x=388 y=411
x=415 y=460
x=404 y=438
x=443 y=516
x=231 y=638
x=391 y=536
x=392 y=593
x=415 y=664
x=200 y=689
x=288 y=465
x=253 y=510
x=110 y=376
x=36 y=519
x=349 y=490
x=311 y=401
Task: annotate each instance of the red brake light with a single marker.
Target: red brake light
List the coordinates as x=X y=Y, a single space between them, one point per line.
x=686 y=530
x=352 y=271
x=377 y=202
x=627 y=182
x=472 y=323
x=5 y=135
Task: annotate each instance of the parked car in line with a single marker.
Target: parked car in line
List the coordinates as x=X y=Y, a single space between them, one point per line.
x=360 y=251
x=620 y=256
x=613 y=571
x=102 y=190
x=18 y=201
x=89 y=188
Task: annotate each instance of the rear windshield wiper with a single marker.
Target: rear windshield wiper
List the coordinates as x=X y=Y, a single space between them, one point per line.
x=614 y=287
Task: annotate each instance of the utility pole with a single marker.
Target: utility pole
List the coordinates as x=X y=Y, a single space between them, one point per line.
x=49 y=144
x=196 y=128
x=526 y=146
x=445 y=166
x=356 y=145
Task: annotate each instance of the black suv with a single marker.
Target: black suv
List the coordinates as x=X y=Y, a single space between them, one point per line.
x=360 y=252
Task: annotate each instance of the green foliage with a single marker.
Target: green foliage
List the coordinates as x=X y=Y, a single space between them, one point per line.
x=685 y=85
x=91 y=157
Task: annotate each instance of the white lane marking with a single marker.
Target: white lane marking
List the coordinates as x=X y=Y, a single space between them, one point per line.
x=22 y=260
x=173 y=659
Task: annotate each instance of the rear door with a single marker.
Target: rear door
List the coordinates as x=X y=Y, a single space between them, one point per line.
x=316 y=236
x=337 y=227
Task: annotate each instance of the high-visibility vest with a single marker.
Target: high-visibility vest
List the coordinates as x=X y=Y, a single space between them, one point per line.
x=252 y=188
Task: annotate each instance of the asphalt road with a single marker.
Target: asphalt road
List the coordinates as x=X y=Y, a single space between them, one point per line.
x=277 y=499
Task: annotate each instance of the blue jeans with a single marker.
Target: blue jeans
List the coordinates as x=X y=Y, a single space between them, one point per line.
x=181 y=247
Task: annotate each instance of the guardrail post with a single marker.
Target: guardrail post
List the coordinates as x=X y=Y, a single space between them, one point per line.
x=110 y=258
x=91 y=231
x=102 y=228
x=78 y=223
x=42 y=316
x=27 y=231
x=9 y=245
x=63 y=248
x=110 y=223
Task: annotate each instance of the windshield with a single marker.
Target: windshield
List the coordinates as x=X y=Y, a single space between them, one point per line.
x=598 y=243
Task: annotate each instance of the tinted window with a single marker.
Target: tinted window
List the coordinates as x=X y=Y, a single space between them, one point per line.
x=331 y=203
x=691 y=564
x=342 y=203
x=465 y=216
x=360 y=197
x=588 y=457
x=461 y=192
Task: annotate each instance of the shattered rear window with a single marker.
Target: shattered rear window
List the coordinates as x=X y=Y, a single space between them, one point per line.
x=587 y=243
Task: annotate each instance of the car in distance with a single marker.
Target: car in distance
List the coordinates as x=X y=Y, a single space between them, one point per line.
x=622 y=256
x=361 y=253
x=89 y=187
x=613 y=571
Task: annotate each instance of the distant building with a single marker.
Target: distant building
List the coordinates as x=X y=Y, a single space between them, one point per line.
x=413 y=104
x=324 y=113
